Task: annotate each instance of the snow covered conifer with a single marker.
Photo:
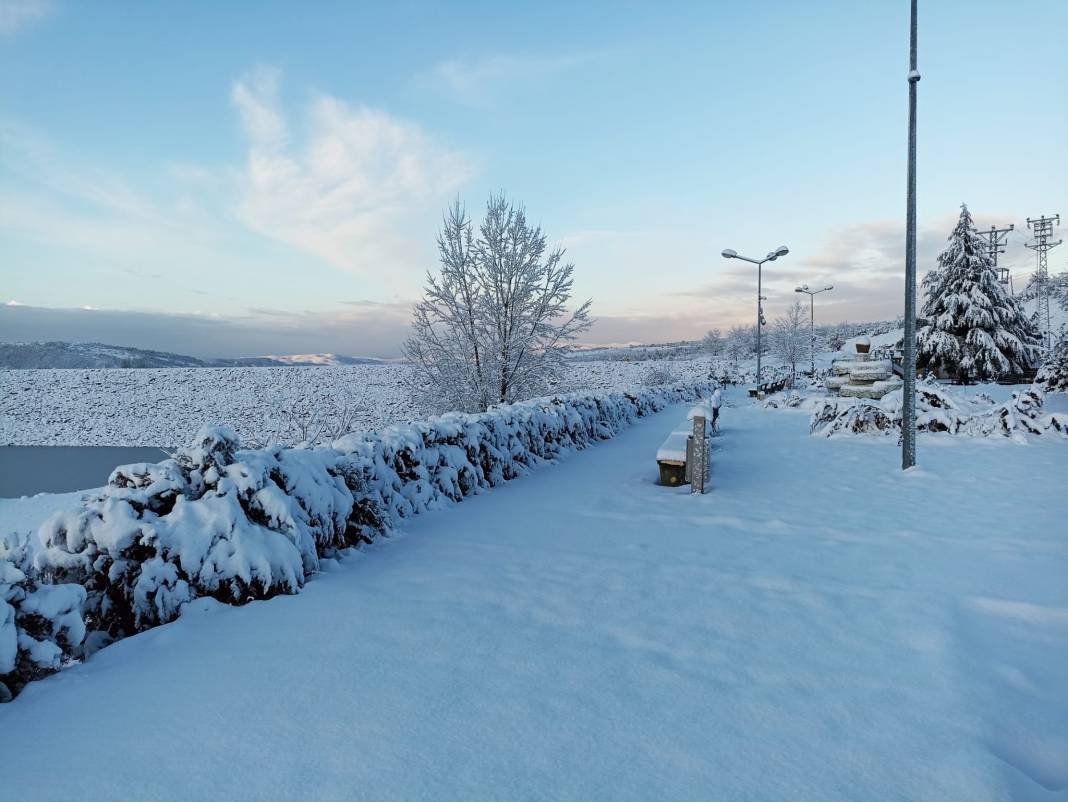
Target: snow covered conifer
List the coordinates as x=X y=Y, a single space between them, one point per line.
x=493 y=328
x=1053 y=378
x=973 y=327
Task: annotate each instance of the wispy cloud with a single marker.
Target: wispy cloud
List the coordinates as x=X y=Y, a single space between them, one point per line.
x=481 y=80
x=346 y=192
x=18 y=14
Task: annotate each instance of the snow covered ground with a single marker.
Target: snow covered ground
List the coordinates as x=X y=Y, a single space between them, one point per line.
x=166 y=407
x=819 y=626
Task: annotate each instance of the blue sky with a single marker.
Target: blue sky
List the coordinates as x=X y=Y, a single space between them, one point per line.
x=235 y=178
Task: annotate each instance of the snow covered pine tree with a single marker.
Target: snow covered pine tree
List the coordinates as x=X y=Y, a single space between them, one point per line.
x=494 y=327
x=973 y=328
x=1053 y=378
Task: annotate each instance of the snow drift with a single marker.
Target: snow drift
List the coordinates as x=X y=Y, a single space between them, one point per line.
x=238 y=525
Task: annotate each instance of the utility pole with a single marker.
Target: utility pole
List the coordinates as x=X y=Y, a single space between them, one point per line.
x=908 y=407
x=1042 y=230
x=995 y=244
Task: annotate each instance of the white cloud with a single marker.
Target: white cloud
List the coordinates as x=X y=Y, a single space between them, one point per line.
x=346 y=192
x=17 y=14
x=477 y=81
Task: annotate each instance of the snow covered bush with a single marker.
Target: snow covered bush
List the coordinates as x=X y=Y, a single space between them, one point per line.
x=40 y=627
x=240 y=524
x=658 y=375
x=937 y=412
x=212 y=521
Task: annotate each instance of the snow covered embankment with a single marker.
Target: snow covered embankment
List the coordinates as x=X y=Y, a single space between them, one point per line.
x=238 y=525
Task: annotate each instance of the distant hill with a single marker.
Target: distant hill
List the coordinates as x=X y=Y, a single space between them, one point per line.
x=31 y=356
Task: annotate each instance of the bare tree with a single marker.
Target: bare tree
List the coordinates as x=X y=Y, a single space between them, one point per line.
x=741 y=343
x=493 y=327
x=789 y=336
x=712 y=342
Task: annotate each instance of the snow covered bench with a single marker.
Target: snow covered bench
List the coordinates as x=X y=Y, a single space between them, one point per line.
x=671 y=458
x=675 y=457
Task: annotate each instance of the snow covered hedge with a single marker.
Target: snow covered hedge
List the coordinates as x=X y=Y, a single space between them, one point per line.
x=237 y=525
x=937 y=411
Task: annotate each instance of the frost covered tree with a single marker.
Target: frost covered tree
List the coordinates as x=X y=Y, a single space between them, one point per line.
x=712 y=342
x=789 y=337
x=972 y=328
x=494 y=326
x=741 y=342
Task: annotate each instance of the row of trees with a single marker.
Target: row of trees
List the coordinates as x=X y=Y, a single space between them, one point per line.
x=971 y=327
x=494 y=326
x=788 y=338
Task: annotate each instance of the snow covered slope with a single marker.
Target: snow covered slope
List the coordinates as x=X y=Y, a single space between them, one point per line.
x=167 y=406
x=820 y=626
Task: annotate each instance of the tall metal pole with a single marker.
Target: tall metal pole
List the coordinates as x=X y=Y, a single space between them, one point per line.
x=812 y=331
x=760 y=314
x=908 y=410
x=1042 y=228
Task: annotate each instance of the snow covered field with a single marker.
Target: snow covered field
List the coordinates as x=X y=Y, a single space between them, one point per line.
x=166 y=407
x=819 y=626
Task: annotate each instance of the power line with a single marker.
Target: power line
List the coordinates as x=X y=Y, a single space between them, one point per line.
x=1042 y=230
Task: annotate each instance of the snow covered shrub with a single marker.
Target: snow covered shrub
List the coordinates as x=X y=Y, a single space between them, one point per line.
x=791 y=401
x=852 y=417
x=1053 y=377
x=40 y=627
x=937 y=412
x=657 y=375
x=213 y=521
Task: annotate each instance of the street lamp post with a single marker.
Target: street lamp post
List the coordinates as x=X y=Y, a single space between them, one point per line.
x=812 y=319
x=908 y=406
x=782 y=250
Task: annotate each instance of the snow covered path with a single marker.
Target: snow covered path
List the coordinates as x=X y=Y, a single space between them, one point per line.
x=818 y=627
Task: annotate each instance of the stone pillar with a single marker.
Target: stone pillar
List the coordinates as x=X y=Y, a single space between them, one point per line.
x=699 y=468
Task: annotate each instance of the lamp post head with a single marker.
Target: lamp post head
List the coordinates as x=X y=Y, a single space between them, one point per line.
x=829 y=287
x=782 y=250
x=729 y=254
x=802 y=288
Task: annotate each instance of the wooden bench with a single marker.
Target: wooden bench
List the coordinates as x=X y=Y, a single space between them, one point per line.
x=769 y=387
x=671 y=458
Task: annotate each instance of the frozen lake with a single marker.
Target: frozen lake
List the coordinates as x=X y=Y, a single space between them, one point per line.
x=27 y=470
